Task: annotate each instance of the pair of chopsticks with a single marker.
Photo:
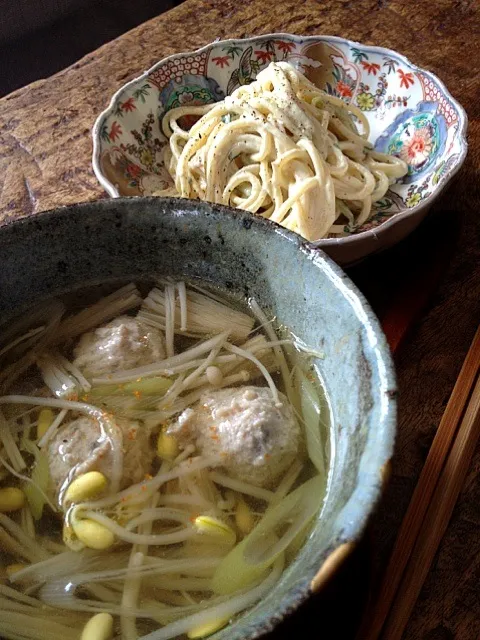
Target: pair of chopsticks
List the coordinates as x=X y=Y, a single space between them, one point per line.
x=431 y=505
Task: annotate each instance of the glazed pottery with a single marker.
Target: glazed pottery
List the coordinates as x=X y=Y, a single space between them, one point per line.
x=129 y=239
x=410 y=112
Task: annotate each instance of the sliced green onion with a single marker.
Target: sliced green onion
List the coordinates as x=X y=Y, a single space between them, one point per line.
x=144 y=386
x=251 y=558
x=311 y=407
x=36 y=490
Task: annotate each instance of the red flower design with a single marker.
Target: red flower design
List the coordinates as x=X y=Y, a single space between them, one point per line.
x=370 y=67
x=417 y=147
x=287 y=47
x=222 y=61
x=115 y=131
x=133 y=169
x=343 y=89
x=128 y=105
x=406 y=79
x=264 y=56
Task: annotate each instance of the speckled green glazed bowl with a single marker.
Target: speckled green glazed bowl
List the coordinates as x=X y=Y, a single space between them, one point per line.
x=141 y=238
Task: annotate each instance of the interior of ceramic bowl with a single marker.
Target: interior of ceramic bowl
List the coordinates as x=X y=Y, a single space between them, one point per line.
x=410 y=112
x=129 y=239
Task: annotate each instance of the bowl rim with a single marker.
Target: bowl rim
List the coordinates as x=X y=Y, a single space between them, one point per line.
x=355 y=238
x=348 y=529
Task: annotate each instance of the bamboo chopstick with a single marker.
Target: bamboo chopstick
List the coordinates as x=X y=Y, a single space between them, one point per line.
x=437 y=518
x=420 y=501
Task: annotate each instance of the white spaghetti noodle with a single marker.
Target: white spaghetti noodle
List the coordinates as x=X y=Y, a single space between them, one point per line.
x=284 y=149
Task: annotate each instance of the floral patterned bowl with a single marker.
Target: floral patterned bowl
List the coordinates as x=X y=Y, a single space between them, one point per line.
x=410 y=112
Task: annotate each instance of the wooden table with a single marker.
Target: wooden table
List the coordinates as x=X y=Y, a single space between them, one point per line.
x=45 y=151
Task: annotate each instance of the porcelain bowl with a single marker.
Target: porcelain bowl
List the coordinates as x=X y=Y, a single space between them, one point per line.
x=410 y=112
x=140 y=238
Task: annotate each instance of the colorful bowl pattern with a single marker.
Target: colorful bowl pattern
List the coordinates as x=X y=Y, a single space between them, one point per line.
x=410 y=112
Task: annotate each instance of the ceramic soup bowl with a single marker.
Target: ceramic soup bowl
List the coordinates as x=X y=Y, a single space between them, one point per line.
x=141 y=238
x=410 y=112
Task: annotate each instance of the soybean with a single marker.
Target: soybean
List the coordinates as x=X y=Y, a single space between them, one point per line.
x=167 y=446
x=93 y=534
x=207 y=629
x=86 y=486
x=70 y=539
x=45 y=419
x=100 y=627
x=11 y=499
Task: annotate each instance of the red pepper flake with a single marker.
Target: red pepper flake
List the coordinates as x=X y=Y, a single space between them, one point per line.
x=137 y=394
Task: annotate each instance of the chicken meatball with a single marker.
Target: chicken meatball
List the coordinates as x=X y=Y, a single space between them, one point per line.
x=78 y=447
x=123 y=343
x=257 y=438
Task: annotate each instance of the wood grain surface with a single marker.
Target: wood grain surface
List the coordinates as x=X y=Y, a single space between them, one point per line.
x=45 y=151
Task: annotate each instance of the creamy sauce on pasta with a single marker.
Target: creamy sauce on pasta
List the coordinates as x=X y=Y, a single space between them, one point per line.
x=284 y=149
